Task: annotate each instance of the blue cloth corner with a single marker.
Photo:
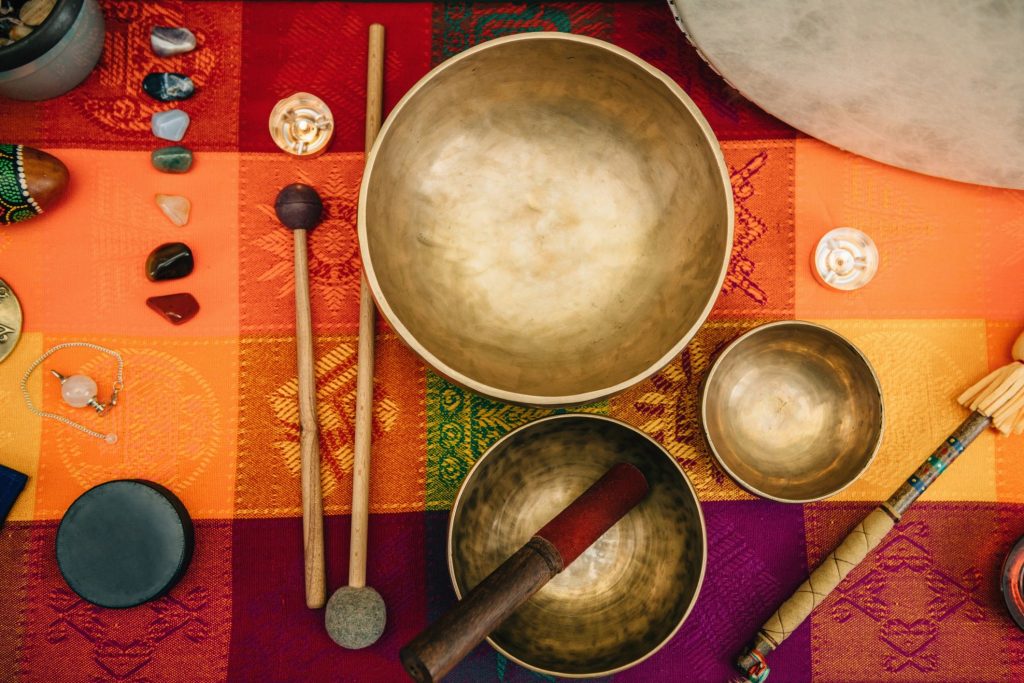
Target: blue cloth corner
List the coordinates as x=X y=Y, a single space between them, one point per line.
x=11 y=484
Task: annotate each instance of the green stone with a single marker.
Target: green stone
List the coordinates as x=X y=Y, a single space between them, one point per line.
x=174 y=159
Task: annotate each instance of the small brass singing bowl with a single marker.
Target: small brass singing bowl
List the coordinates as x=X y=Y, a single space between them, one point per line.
x=545 y=219
x=623 y=598
x=792 y=411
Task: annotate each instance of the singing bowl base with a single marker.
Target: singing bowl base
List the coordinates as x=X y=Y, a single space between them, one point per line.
x=546 y=219
x=792 y=411
x=628 y=593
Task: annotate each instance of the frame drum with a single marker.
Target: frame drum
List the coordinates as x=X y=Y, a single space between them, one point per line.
x=929 y=85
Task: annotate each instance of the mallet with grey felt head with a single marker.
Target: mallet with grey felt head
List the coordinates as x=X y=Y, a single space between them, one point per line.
x=355 y=613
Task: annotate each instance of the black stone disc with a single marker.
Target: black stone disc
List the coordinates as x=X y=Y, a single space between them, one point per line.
x=124 y=543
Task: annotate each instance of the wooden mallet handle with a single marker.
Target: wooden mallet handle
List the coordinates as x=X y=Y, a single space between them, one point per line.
x=364 y=367
x=309 y=433
x=435 y=651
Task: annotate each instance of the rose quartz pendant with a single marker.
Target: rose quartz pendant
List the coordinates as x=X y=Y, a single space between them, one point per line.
x=78 y=390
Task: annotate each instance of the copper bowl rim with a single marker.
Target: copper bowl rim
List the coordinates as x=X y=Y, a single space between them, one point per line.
x=700 y=516
x=708 y=138
x=750 y=333
x=1011 y=578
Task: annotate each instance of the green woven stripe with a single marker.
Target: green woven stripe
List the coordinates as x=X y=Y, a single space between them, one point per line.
x=461 y=425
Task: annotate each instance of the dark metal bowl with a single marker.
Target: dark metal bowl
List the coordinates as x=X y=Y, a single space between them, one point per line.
x=625 y=597
x=792 y=411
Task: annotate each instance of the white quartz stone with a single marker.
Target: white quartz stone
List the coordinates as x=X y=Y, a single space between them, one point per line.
x=170 y=125
x=167 y=41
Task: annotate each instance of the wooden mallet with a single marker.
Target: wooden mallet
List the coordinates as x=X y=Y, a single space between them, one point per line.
x=996 y=401
x=356 y=613
x=299 y=207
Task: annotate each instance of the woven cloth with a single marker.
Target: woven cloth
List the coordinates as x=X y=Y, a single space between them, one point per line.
x=209 y=408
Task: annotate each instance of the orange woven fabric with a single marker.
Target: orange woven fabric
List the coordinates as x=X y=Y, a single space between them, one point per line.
x=209 y=407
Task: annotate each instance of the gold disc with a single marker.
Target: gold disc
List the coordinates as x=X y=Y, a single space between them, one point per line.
x=10 y=320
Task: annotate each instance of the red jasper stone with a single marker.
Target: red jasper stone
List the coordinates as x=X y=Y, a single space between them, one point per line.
x=177 y=308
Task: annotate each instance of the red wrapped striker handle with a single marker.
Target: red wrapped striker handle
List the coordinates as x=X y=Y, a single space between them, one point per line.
x=597 y=509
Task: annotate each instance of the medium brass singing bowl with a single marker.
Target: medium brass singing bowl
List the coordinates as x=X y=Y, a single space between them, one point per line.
x=545 y=219
x=792 y=411
x=623 y=598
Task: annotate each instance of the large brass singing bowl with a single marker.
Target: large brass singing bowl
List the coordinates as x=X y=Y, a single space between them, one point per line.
x=545 y=219
x=623 y=598
x=792 y=411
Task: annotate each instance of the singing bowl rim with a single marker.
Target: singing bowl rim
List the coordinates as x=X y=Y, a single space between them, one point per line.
x=689 y=485
x=708 y=138
x=752 y=333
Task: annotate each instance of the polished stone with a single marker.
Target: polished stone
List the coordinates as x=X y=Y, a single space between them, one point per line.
x=175 y=207
x=170 y=125
x=78 y=390
x=168 y=87
x=167 y=41
x=169 y=262
x=173 y=159
x=176 y=308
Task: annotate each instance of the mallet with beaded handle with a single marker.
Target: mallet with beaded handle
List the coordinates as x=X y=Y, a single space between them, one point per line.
x=996 y=401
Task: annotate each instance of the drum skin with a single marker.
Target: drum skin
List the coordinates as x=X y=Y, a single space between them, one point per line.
x=925 y=85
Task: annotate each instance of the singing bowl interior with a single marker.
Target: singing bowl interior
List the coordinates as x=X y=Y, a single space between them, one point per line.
x=625 y=596
x=792 y=411
x=545 y=219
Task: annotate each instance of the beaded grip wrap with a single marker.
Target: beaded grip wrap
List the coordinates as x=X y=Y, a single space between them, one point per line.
x=16 y=202
x=854 y=548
